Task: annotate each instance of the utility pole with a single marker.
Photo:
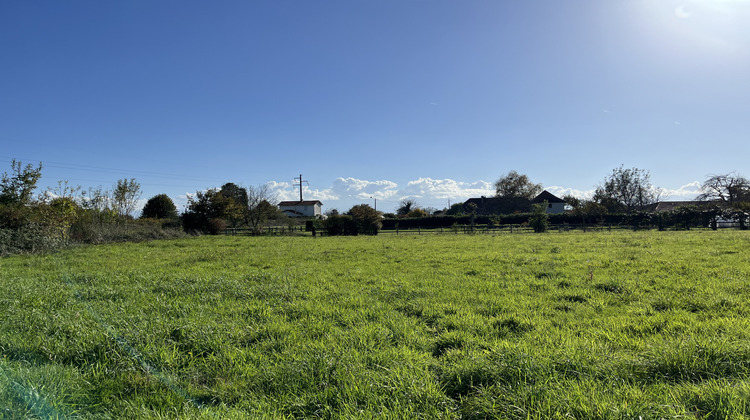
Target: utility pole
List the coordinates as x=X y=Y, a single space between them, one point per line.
x=376 y=203
x=300 y=185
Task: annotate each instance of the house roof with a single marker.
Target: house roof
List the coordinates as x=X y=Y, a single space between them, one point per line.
x=300 y=203
x=548 y=197
x=500 y=205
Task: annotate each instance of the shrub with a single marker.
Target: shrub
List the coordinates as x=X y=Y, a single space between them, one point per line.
x=159 y=207
x=28 y=238
x=216 y=226
x=366 y=219
x=539 y=219
x=340 y=225
x=417 y=213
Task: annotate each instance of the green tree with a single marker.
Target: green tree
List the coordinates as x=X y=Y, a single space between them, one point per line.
x=456 y=209
x=417 y=213
x=125 y=196
x=159 y=207
x=514 y=184
x=626 y=190
x=406 y=206
x=17 y=188
x=206 y=211
x=367 y=220
x=237 y=210
x=539 y=219
x=62 y=213
x=572 y=200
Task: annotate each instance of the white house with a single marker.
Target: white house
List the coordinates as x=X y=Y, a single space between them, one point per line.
x=555 y=205
x=305 y=208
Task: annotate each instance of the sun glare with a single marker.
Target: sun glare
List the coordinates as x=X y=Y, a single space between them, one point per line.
x=720 y=26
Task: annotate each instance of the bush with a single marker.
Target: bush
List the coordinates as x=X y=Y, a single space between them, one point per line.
x=366 y=219
x=28 y=238
x=340 y=225
x=159 y=207
x=417 y=213
x=216 y=226
x=539 y=219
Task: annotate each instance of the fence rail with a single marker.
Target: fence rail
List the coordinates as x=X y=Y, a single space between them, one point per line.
x=266 y=230
x=455 y=229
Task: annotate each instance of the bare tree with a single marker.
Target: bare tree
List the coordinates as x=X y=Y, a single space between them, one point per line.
x=731 y=189
x=514 y=184
x=261 y=205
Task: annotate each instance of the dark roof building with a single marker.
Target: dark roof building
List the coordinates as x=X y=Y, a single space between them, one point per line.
x=498 y=205
x=509 y=205
x=548 y=197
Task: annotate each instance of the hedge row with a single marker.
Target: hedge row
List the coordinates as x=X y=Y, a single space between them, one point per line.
x=679 y=218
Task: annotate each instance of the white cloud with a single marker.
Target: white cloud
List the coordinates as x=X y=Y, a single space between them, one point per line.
x=686 y=192
x=285 y=191
x=342 y=189
x=362 y=189
x=561 y=191
x=445 y=189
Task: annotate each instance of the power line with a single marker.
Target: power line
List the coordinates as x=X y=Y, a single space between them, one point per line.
x=99 y=169
x=300 y=185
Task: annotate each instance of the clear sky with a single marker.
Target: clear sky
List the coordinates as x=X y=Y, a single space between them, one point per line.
x=430 y=99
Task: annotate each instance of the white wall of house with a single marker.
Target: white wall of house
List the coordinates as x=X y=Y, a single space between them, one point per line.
x=555 y=208
x=303 y=209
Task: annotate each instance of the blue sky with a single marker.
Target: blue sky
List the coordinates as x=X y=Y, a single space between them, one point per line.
x=429 y=99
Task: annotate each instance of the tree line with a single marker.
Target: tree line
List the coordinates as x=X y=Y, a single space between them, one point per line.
x=68 y=214
x=625 y=196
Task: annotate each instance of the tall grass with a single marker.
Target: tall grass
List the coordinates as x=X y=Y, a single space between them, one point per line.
x=608 y=325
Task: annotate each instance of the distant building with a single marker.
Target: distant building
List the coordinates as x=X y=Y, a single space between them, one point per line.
x=486 y=206
x=555 y=205
x=307 y=208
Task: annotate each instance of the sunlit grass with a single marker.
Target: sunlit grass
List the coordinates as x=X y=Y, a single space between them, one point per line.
x=605 y=325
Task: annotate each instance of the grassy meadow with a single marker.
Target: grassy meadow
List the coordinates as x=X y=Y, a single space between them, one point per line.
x=559 y=325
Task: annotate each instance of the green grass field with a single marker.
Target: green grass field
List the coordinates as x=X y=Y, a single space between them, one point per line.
x=561 y=325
